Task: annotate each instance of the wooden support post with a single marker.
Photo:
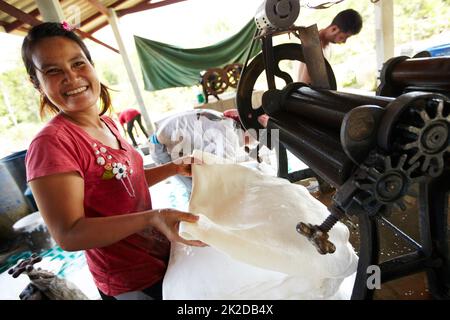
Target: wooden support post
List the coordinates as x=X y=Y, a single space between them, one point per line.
x=384 y=30
x=113 y=20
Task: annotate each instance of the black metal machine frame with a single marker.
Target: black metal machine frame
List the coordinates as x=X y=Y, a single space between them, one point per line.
x=374 y=150
x=403 y=74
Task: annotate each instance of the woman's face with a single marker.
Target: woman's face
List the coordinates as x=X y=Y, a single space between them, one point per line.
x=65 y=75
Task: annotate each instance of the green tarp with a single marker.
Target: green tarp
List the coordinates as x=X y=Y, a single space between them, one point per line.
x=166 y=66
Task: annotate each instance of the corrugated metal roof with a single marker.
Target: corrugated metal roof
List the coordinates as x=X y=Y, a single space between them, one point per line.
x=90 y=18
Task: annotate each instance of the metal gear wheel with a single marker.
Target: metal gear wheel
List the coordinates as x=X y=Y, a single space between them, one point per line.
x=385 y=184
x=432 y=142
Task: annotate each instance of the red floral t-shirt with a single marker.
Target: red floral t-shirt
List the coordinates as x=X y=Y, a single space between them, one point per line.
x=114 y=184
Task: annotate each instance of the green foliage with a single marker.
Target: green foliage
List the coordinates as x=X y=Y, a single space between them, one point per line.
x=351 y=81
x=111 y=77
x=419 y=20
x=23 y=98
x=216 y=31
x=24 y=108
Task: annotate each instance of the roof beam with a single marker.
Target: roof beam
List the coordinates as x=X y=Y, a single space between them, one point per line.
x=18 y=23
x=146 y=5
x=18 y=14
x=136 y=5
x=98 y=14
x=89 y=36
x=32 y=21
x=98 y=27
x=99 y=6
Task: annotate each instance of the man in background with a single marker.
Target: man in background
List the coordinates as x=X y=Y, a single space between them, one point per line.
x=344 y=25
x=131 y=117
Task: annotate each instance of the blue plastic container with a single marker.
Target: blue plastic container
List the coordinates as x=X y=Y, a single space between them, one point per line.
x=15 y=163
x=13 y=207
x=440 y=51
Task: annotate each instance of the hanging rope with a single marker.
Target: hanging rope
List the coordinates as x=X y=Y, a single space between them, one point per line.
x=324 y=5
x=328 y=4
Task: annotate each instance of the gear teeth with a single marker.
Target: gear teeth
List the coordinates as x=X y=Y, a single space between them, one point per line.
x=436 y=170
x=411 y=129
x=375 y=172
x=440 y=109
x=412 y=168
x=411 y=145
x=424 y=115
x=402 y=160
x=440 y=162
x=426 y=164
x=416 y=157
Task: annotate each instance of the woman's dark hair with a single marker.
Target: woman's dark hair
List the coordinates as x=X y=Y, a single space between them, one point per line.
x=47 y=30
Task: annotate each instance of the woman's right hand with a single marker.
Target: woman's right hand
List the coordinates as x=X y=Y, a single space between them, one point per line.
x=167 y=221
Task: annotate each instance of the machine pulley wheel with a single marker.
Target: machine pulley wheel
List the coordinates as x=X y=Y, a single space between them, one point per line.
x=247 y=112
x=215 y=81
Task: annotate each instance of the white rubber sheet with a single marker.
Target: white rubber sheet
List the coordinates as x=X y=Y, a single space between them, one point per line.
x=248 y=220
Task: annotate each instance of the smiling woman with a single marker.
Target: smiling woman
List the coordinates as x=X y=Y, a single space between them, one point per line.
x=89 y=184
x=48 y=70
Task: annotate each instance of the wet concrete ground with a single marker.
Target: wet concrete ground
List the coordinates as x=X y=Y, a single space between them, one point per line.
x=413 y=287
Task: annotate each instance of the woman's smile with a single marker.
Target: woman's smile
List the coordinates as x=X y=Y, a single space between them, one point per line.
x=76 y=92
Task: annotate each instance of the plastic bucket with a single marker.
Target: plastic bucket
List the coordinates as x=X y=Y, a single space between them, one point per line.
x=15 y=163
x=13 y=207
x=35 y=232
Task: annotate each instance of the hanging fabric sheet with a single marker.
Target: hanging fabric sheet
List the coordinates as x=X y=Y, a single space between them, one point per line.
x=167 y=66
